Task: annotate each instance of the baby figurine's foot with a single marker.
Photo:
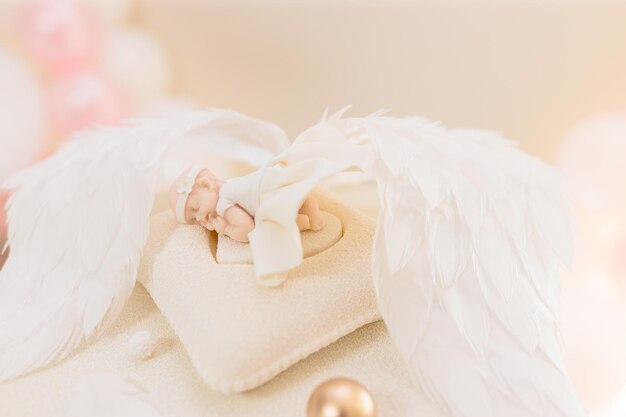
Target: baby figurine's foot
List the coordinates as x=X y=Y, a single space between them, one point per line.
x=318 y=223
x=303 y=222
x=311 y=210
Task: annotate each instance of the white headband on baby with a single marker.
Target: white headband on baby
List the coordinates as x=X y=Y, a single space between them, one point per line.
x=184 y=186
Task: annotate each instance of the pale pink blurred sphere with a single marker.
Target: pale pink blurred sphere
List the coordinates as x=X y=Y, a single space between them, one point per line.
x=83 y=99
x=60 y=34
x=617 y=260
x=593 y=320
x=593 y=159
x=22 y=115
x=137 y=61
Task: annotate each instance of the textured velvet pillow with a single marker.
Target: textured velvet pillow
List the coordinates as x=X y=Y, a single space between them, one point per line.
x=240 y=334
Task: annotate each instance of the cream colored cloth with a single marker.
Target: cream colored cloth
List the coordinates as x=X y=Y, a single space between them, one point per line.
x=275 y=193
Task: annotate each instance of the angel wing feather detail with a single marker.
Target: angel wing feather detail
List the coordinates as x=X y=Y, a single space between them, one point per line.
x=469 y=239
x=470 y=236
x=77 y=226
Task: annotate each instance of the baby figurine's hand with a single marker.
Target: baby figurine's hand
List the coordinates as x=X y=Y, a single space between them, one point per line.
x=218 y=222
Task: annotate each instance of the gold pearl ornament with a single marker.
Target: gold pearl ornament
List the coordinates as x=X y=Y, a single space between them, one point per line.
x=341 y=397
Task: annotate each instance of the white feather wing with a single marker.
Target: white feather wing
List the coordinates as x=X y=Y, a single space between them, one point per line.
x=469 y=240
x=77 y=225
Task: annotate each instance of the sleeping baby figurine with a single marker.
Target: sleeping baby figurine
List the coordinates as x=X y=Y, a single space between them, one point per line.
x=269 y=207
x=228 y=207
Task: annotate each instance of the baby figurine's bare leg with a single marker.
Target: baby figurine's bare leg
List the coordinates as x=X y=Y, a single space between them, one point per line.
x=311 y=209
x=303 y=222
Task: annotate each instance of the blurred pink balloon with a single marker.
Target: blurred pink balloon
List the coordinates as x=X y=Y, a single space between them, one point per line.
x=60 y=34
x=82 y=99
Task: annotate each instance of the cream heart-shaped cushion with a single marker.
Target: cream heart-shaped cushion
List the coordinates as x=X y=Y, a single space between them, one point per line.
x=240 y=334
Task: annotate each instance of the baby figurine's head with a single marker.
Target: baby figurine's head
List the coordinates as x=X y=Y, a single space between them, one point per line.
x=194 y=195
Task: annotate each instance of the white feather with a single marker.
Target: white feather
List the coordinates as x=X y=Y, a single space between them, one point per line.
x=466 y=253
x=77 y=225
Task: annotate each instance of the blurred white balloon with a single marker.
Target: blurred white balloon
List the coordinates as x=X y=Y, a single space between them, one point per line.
x=137 y=61
x=593 y=158
x=22 y=123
